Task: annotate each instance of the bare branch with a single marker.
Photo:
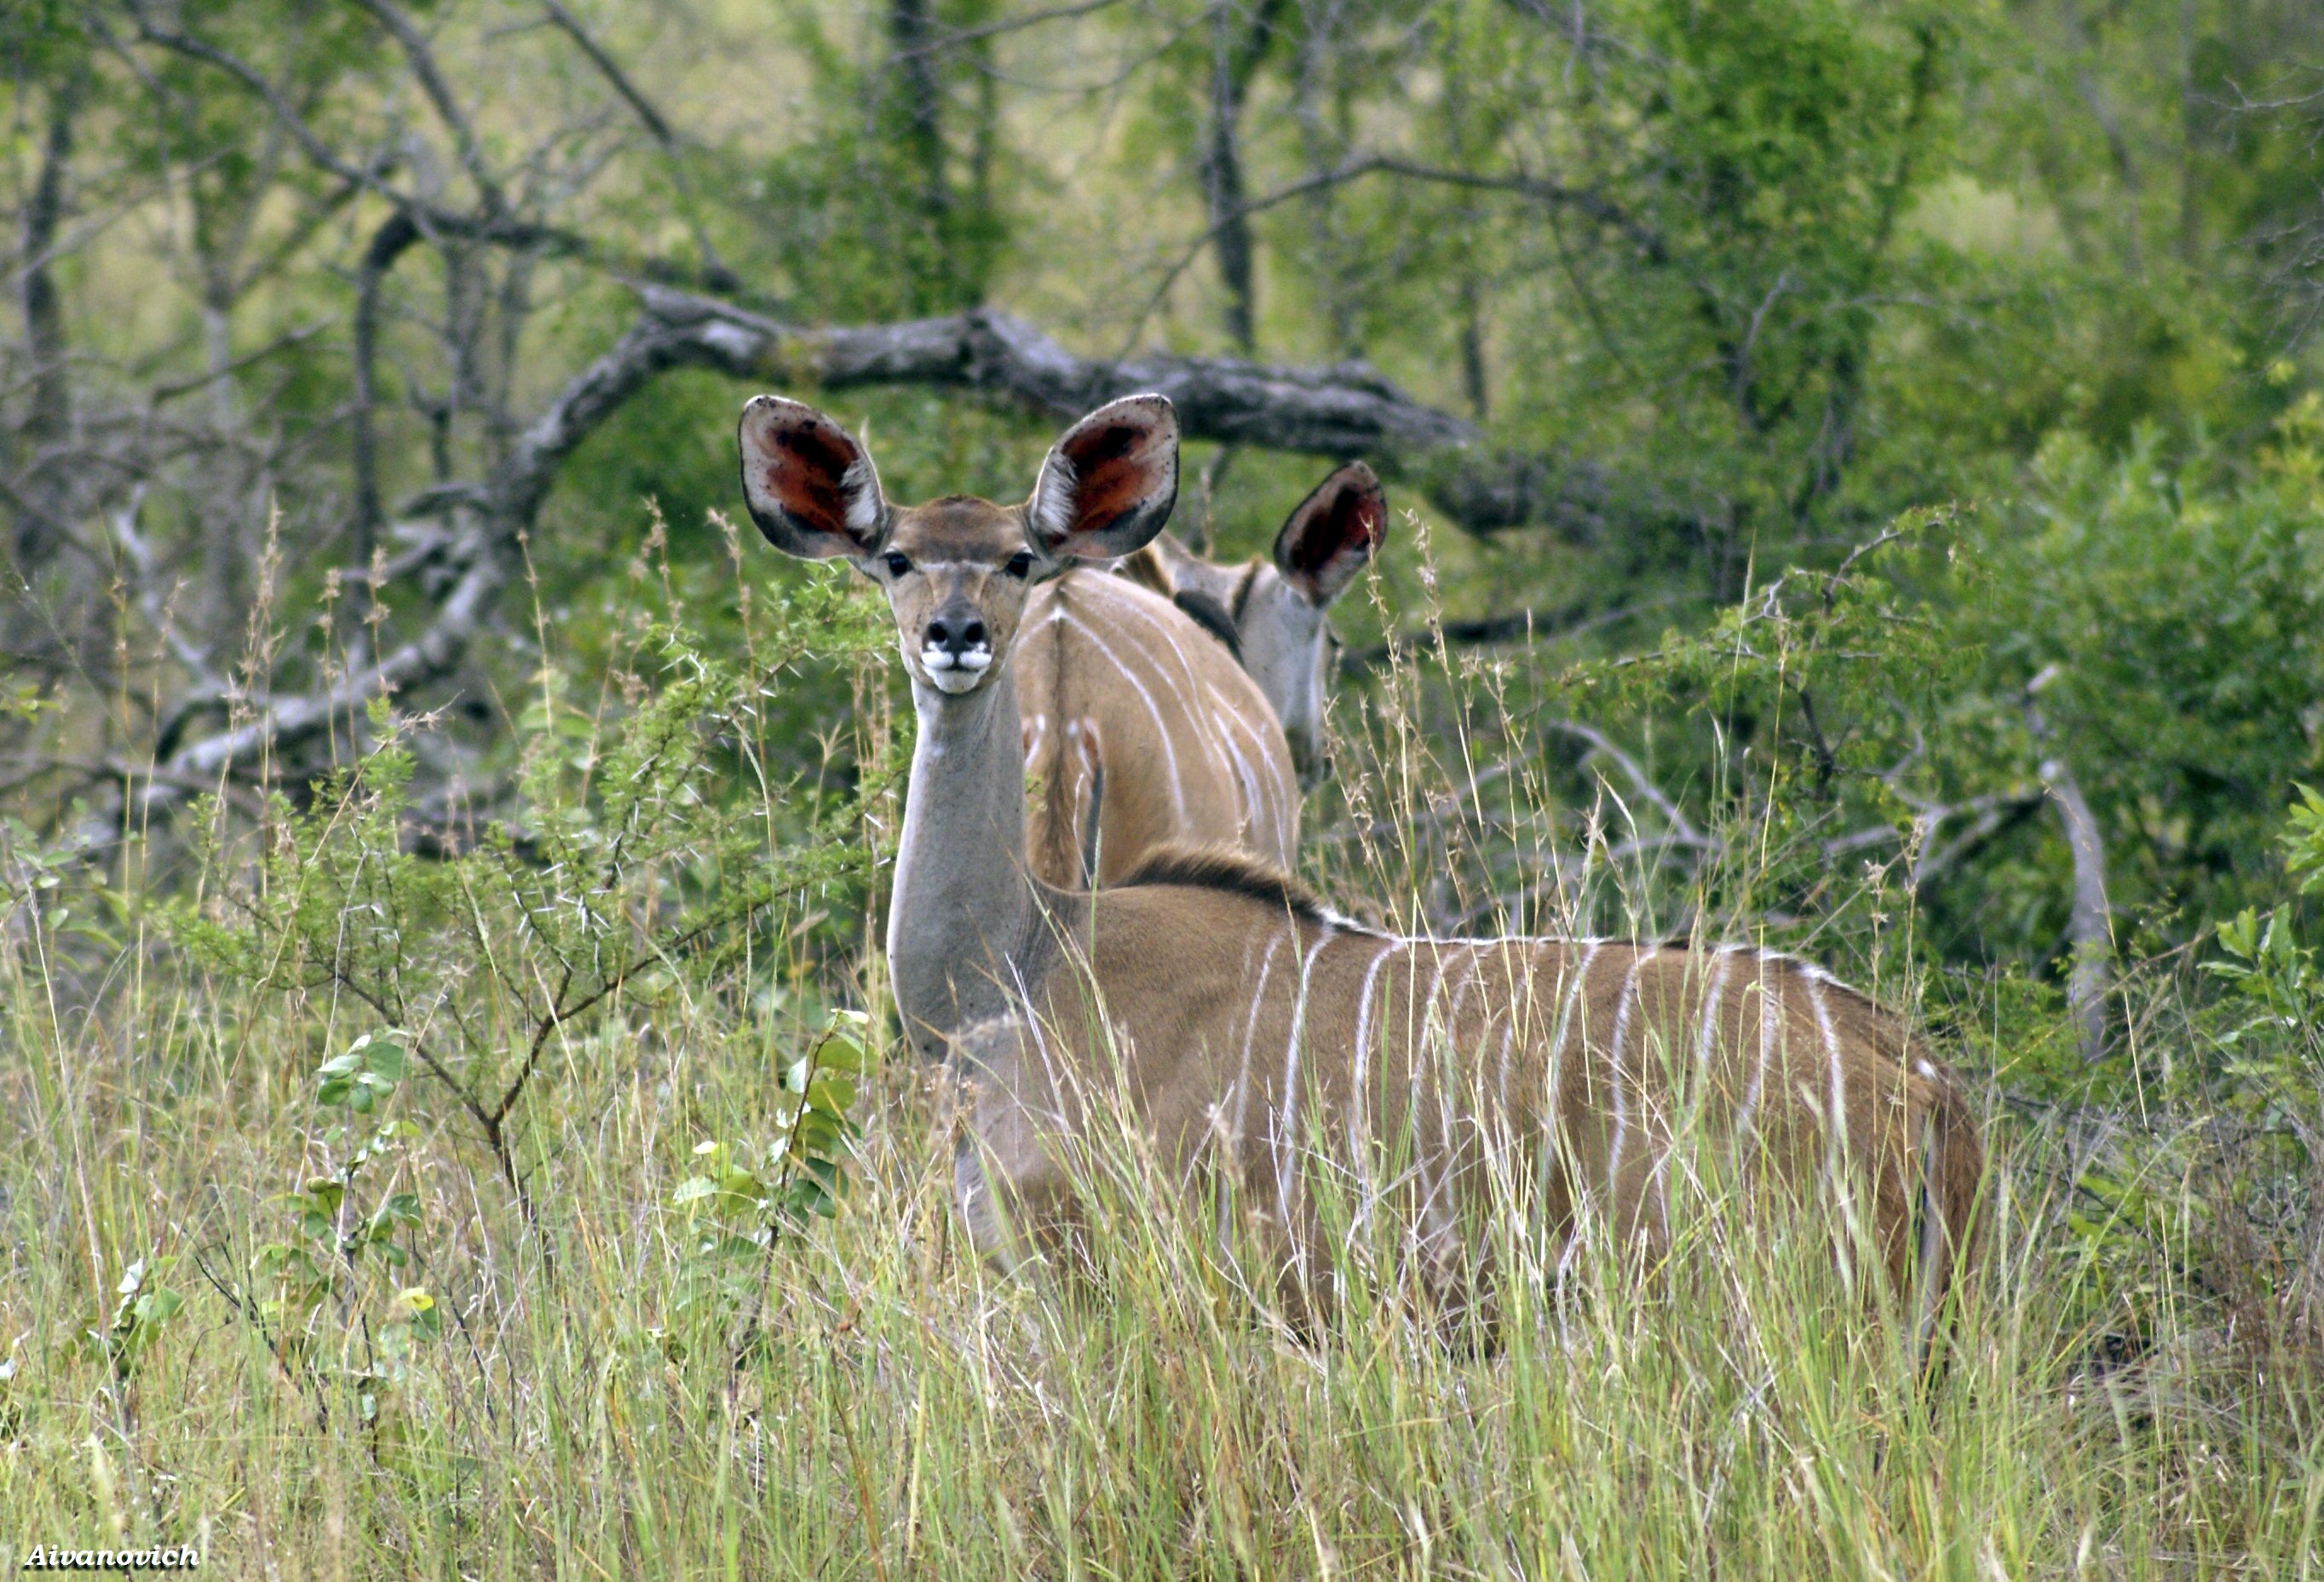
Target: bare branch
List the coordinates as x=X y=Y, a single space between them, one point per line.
x=1338 y=410
x=388 y=243
x=2089 y=927
x=439 y=94
x=615 y=77
x=494 y=225
x=1649 y=242
x=1345 y=409
x=716 y=275
x=1682 y=831
x=1007 y=24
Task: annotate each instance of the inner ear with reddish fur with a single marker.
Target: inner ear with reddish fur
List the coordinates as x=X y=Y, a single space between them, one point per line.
x=1328 y=539
x=809 y=486
x=1108 y=485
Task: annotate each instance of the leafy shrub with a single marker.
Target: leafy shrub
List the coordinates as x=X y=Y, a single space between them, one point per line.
x=631 y=866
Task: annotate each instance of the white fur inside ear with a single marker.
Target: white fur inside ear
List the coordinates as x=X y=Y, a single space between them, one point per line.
x=1053 y=499
x=860 y=487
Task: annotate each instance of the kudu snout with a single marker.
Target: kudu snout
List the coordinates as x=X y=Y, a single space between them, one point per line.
x=955 y=646
x=956 y=630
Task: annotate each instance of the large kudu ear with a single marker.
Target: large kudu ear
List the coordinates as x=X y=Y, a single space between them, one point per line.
x=809 y=486
x=1335 y=531
x=1108 y=485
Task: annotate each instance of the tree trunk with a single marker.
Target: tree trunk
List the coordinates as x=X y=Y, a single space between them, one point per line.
x=1222 y=188
x=919 y=94
x=44 y=491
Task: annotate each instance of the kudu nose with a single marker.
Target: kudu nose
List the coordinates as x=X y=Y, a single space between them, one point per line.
x=956 y=634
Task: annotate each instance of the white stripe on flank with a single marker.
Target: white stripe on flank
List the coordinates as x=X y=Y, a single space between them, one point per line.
x=1564 y=1025
x=1161 y=728
x=1248 y=814
x=1708 y=1032
x=1286 y=790
x=1508 y=1043
x=1769 y=1013
x=1358 y=1089
x=1837 y=1119
x=1226 y=714
x=1120 y=597
x=1706 y=1036
x=1250 y=1031
x=1415 y=1054
x=1622 y=1003
x=1187 y=700
x=1364 y=1012
x=1189 y=693
x=1463 y=984
x=1231 y=1170
x=1286 y=1109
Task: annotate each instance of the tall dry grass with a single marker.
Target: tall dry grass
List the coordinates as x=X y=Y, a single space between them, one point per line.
x=902 y=1410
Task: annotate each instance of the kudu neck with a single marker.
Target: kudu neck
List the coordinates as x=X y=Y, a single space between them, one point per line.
x=962 y=913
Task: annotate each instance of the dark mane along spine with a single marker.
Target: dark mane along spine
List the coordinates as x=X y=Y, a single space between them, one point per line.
x=1221 y=868
x=1147 y=568
x=1149 y=571
x=1212 y=616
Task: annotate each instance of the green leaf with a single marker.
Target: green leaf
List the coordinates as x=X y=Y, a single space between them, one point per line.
x=840 y=1052
x=830 y=1092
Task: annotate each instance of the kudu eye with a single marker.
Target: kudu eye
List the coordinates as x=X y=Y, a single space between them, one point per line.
x=1020 y=565
x=898 y=563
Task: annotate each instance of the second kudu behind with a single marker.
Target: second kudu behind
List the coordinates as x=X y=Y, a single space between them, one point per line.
x=1250 y=1030
x=1276 y=612
x=1141 y=730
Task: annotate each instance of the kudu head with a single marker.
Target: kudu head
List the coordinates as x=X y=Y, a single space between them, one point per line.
x=957 y=570
x=1278 y=610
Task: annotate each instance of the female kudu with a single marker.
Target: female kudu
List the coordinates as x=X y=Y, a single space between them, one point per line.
x=1243 y=1021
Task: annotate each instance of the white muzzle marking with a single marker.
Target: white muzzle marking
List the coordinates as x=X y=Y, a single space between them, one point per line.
x=955 y=673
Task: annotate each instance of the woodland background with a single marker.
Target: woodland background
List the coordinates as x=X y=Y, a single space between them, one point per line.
x=1858 y=476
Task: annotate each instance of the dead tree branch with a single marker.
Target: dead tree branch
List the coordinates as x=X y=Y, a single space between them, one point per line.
x=2090 y=927
x=1334 y=410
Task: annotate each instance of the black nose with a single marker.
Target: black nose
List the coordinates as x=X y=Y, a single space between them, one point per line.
x=957 y=634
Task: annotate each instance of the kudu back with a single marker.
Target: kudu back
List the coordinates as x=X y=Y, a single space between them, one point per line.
x=1249 y=1028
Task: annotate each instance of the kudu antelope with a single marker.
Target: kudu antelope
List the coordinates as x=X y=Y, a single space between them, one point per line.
x=1245 y=1023
x=1276 y=610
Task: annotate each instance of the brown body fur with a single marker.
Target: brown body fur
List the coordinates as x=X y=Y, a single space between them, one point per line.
x=1248 y=1024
